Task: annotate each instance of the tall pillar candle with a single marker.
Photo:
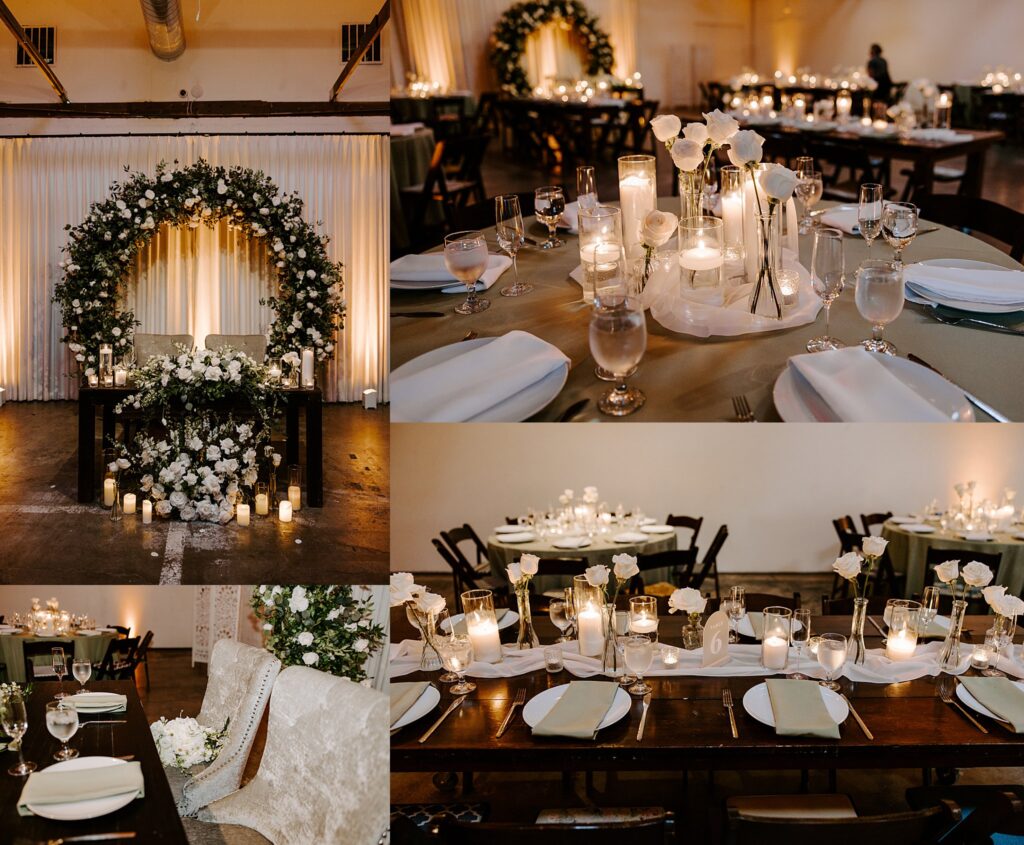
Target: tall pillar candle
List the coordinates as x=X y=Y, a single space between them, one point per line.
x=590 y=626
x=284 y=511
x=638 y=195
x=295 y=497
x=262 y=504
x=129 y=503
x=483 y=634
x=307 y=367
x=147 y=511
x=109 y=491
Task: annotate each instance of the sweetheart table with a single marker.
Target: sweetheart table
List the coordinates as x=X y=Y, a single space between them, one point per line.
x=686 y=378
x=12 y=650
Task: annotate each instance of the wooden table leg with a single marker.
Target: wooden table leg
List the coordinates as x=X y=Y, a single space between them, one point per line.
x=291 y=446
x=974 y=175
x=86 y=450
x=315 y=451
x=109 y=426
x=923 y=176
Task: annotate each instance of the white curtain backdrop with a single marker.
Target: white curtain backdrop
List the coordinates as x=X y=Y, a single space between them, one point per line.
x=194 y=282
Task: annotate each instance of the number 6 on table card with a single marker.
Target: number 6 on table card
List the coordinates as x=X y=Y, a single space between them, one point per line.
x=716 y=640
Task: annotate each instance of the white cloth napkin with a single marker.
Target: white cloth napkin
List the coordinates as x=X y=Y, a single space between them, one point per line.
x=571 y=543
x=468 y=384
x=859 y=389
x=631 y=537
x=518 y=537
x=571 y=218
x=430 y=269
x=932 y=134
x=843 y=218
x=991 y=287
x=975 y=536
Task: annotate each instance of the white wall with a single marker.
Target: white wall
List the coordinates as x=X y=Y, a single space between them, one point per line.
x=777 y=486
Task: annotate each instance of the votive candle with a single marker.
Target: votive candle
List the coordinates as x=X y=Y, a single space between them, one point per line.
x=129 y=503
x=147 y=511
x=295 y=497
x=774 y=652
x=284 y=511
x=242 y=514
x=262 y=504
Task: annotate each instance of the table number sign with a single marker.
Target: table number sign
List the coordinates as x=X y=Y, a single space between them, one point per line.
x=716 y=640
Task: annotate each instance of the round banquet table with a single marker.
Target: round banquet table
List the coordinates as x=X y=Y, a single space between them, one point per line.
x=908 y=550
x=410 y=160
x=600 y=550
x=12 y=650
x=687 y=378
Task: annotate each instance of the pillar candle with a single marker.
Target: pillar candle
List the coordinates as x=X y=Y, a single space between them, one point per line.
x=147 y=511
x=129 y=503
x=369 y=398
x=284 y=511
x=94 y=380
x=483 y=634
x=901 y=645
x=590 y=625
x=120 y=377
x=109 y=491
x=242 y=515
x=732 y=219
x=637 y=196
x=262 y=504
x=295 y=497
x=774 y=651
x=307 y=367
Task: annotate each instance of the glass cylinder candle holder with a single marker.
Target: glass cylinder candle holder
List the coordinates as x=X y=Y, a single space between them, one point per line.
x=553 y=659
x=775 y=640
x=261 y=499
x=844 y=105
x=601 y=251
x=295 y=487
x=590 y=625
x=106 y=365
x=120 y=375
x=93 y=380
x=701 y=255
x=732 y=211
x=643 y=616
x=274 y=371
x=638 y=195
x=482 y=625
x=943 y=111
x=902 y=640
x=308 y=368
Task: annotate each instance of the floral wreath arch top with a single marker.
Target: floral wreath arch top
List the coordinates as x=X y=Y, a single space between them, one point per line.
x=308 y=307
x=522 y=19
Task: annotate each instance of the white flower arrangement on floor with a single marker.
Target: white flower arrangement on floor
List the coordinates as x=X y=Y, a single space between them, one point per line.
x=184 y=743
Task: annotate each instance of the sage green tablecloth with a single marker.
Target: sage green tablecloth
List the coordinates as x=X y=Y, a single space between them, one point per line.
x=908 y=551
x=12 y=651
x=600 y=550
x=686 y=378
x=410 y=160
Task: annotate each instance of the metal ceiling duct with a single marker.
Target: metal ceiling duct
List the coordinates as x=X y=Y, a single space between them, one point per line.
x=163 y=24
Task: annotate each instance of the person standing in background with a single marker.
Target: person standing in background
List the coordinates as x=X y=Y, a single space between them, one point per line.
x=878 y=70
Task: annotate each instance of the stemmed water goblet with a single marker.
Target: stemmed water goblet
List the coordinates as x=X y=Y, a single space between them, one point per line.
x=62 y=723
x=831 y=657
x=879 y=297
x=639 y=654
x=736 y=610
x=549 y=206
x=929 y=607
x=82 y=671
x=618 y=339
x=625 y=679
x=60 y=669
x=14 y=721
x=511 y=237
x=799 y=636
x=899 y=227
x=558 y=610
x=465 y=256
x=828 y=275
x=1000 y=641
x=570 y=612
x=869 y=212
x=808 y=190
x=586 y=187
x=456 y=654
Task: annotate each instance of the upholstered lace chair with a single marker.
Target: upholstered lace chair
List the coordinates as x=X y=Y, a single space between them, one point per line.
x=253 y=345
x=324 y=772
x=148 y=345
x=241 y=679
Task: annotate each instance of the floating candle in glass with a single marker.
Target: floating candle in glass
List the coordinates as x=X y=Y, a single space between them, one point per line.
x=700 y=251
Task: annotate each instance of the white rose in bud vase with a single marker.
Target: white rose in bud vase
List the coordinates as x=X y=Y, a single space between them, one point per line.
x=1009 y=606
x=666 y=127
x=625 y=566
x=658 y=229
x=976 y=574
x=745 y=148
x=403 y=588
x=948 y=571
x=597 y=576
x=722 y=127
x=696 y=132
x=430 y=602
x=778 y=182
x=993 y=594
x=687 y=600
x=687 y=155
x=515 y=572
x=529 y=564
x=873 y=546
x=848 y=566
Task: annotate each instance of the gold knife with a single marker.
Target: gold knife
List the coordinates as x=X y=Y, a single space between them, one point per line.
x=856 y=716
x=643 y=718
x=451 y=707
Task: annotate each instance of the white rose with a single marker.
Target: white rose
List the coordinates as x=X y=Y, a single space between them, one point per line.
x=993 y=594
x=430 y=602
x=305 y=639
x=597 y=576
x=178 y=499
x=515 y=572
x=947 y=571
x=873 y=546
x=687 y=155
x=687 y=600
x=848 y=566
x=1009 y=606
x=625 y=566
x=976 y=574
x=658 y=228
x=745 y=148
x=778 y=182
x=361 y=645
x=529 y=564
x=696 y=132
x=721 y=127
x=403 y=588
x=298 y=603
x=665 y=127
x=311 y=658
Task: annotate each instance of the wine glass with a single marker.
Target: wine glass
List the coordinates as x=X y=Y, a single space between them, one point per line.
x=558 y=610
x=828 y=275
x=82 y=671
x=60 y=669
x=736 y=611
x=869 y=212
x=618 y=339
x=808 y=189
x=929 y=607
x=831 y=656
x=511 y=236
x=879 y=297
x=62 y=723
x=465 y=256
x=899 y=227
x=14 y=721
x=799 y=635
x=586 y=187
x=456 y=653
x=625 y=678
x=549 y=205
x=639 y=654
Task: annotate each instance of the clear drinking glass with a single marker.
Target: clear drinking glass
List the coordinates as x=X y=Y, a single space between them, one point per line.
x=929 y=607
x=511 y=235
x=831 y=657
x=456 y=654
x=799 y=635
x=586 y=187
x=625 y=679
x=643 y=616
x=879 y=297
x=808 y=190
x=618 y=339
x=465 y=256
x=736 y=611
x=803 y=164
x=558 y=610
x=62 y=723
x=549 y=205
x=828 y=275
x=82 y=671
x=60 y=669
x=869 y=212
x=639 y=654
x=14 y=721
x=899 y=227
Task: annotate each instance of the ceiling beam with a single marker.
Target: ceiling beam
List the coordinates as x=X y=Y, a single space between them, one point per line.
x=375 y=28
x=19 y=34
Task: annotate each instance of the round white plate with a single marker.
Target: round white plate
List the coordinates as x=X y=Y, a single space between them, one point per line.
x=507 y=621
x=975 y=536
x=759 y=705
x=540 y=705
x=508 y=529
x=79 y=810
x=423 y=705
x=516 y=408
x=798 y=403
x=648 y=520
x=902 y=520
x=521 y=537
x=658 y=529
x=965 y=696
x=88 y=633
x=961 y=305
x=86 y=702
x=630 y=537
x=744 y=627
x=571 y=543
x=918 y=528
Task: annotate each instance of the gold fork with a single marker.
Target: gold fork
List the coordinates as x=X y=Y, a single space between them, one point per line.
x=727 y=703
x=742 y=410
x=948 y=699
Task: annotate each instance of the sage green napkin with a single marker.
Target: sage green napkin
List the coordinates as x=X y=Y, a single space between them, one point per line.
x=579 y=711
x=49 y=787
x=103 y=702
x=757 y=623
x=404 y=696
x=799 y=709
x=460 y=626
x=933 y=631
x=1001 y=696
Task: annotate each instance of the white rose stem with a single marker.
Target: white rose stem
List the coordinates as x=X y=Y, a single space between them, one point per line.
x=637 y=196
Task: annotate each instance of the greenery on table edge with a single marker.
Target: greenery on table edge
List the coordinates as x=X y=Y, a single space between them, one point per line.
x=324 y=627
x=309 y=304
x=508 y=40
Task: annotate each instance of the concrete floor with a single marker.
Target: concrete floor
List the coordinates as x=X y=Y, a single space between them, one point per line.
x=46 y=536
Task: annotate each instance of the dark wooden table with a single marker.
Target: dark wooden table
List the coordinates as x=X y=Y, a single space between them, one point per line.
x=687 y=727
x=296 y=399
x=154 y=818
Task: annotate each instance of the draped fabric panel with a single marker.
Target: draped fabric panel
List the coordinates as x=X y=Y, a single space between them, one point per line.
x=553 y=52
x=191 y=281
x=431 y=40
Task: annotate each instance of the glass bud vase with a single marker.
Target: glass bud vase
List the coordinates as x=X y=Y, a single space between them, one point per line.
x=691 y=193
x=949 y=657
x=855 y=649
x=766 y=296
x=426 y=624
x=527 y=636
x=693 y=633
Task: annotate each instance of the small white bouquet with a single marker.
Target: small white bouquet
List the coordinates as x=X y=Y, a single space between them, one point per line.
x=184 y=743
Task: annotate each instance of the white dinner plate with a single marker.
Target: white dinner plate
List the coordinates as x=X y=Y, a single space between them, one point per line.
x=918 y=528
x=85 y=702
x=658 y=529
x=520 y=537
x=94 y=807
x=422 y=706
x=507 y=621
x=975 y=536
x=902 y=520
x=961 y=305
x=965 y=696
x=88 y=633
x=540 y=705
x=508 y=529
x=796 y=402
x=571 y=543
x=758 y=704
x=630 y=537
x=516 y=408
x=744 y=627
